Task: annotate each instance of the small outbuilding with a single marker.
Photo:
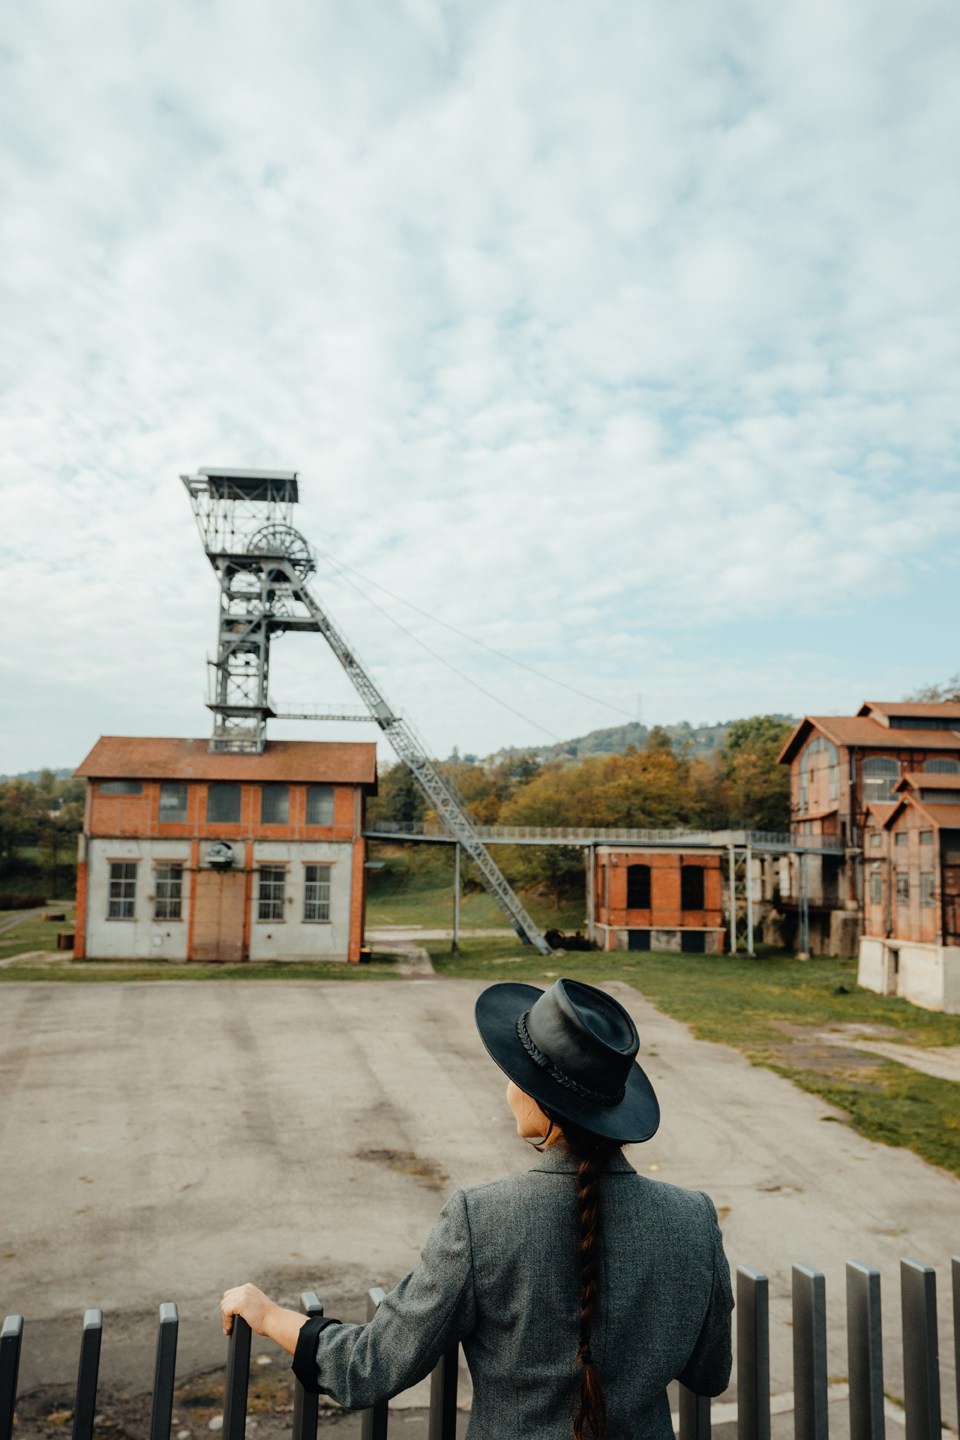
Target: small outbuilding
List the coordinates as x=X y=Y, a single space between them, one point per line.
x=646 y=899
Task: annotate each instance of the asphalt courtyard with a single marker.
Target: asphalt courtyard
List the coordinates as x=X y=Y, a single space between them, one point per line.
x=161 y=1141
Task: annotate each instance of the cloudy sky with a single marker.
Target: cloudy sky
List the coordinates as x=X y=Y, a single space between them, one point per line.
x=620 y=336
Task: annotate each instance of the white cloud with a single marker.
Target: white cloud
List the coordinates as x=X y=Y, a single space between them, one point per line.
x=587 y=328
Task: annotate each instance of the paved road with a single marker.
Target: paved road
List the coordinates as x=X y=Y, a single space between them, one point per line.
x=162 y=1140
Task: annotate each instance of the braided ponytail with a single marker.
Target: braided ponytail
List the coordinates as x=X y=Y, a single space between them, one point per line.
x=593 y=1154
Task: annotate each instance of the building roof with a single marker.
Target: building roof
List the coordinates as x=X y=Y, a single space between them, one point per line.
x=866 y=734
x=927 y=780
x=131 y=757
x=946 y=709
x=944 y=817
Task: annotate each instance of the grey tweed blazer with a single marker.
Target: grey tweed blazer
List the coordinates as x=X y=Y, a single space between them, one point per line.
x=498 y=1272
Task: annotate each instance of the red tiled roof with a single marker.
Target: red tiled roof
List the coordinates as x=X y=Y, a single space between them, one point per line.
x=948 y=709
x=945 y=817
x=927 y=780
x=129 y=757
x=860 y=730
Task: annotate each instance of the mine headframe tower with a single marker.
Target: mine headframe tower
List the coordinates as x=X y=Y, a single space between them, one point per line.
x=262 y=565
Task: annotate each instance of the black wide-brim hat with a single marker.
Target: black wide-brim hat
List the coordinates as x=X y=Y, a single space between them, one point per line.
x=573 y=1049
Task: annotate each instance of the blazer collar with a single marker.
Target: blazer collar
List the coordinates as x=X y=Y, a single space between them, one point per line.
x=557 y=1159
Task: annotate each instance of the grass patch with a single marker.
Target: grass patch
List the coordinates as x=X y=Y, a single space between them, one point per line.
x=771 y=1008
x=31 y=933
x=415 y=887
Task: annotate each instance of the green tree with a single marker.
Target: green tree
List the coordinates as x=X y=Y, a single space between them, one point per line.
x=399 y=799
x=757 y=787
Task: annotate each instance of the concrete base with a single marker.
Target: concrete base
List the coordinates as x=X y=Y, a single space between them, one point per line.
x=926 y=975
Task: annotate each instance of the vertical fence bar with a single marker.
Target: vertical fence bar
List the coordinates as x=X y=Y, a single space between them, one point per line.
x=955 y=1271
x=443 y=1396
x=921 y=1359
x=809 y=1354
x=864 y=1352
x=164 y=1373
x=85 y=1405
x=238 y=1378
x=373 y=1425
x=753 y=1355
x=694 y=1415
x=11 y=1337
x=305 y=1402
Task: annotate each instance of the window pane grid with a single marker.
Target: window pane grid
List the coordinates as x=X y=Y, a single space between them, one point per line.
x=270 y=893
x=123 y=890
x=316 y=895
x=223 y=803
x=274 y=805
x=319 y=804
x=168 y=883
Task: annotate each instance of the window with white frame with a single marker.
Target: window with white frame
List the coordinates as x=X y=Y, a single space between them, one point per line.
x=926 y=889
x=122 y=895
x=168 y=890
x=876 y=888
x=316 y=892
x=271 y=888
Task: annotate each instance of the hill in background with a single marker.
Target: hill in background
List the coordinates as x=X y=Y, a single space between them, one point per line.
x=692 y=740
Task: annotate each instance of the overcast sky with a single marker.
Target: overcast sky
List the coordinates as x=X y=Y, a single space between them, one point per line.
x=621 y=336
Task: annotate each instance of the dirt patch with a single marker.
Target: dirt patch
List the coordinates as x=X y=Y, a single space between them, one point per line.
x=46 y=1413
x=428 y=1172
x=803 y=1049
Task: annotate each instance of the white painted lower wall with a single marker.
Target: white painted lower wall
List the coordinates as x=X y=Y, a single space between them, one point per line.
x=294 y=938
x=926 y=975
x=143 y=937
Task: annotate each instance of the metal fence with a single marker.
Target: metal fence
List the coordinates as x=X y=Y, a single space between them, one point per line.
x=921 y=1367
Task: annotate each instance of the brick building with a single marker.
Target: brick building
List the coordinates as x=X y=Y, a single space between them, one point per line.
x=884 y=786
x=911 y=907
x=190 y=854
x=643 y=899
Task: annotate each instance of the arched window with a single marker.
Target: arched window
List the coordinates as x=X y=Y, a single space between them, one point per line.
x=880 y=775
x=942 y=767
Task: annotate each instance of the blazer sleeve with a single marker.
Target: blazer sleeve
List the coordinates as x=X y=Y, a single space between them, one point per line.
x=707 y=1371
x=431 y=1309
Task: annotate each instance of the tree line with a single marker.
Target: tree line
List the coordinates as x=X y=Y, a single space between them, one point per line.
x=39 y=823
x=658 y=786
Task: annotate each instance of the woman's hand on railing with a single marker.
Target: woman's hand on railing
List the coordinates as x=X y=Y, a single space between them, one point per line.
x=263 y=1315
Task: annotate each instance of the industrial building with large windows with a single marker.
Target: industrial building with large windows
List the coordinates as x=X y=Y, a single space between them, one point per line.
x=194 y=854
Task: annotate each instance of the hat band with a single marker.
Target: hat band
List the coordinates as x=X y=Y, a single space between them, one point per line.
x=600 y=1097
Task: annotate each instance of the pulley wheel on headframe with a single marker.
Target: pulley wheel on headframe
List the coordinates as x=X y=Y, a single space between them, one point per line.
x=283 y=540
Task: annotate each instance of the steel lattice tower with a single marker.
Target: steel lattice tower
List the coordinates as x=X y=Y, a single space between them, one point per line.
x=262 y=565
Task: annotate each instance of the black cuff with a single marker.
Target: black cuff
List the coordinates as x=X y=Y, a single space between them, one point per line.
x=304 y=1364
